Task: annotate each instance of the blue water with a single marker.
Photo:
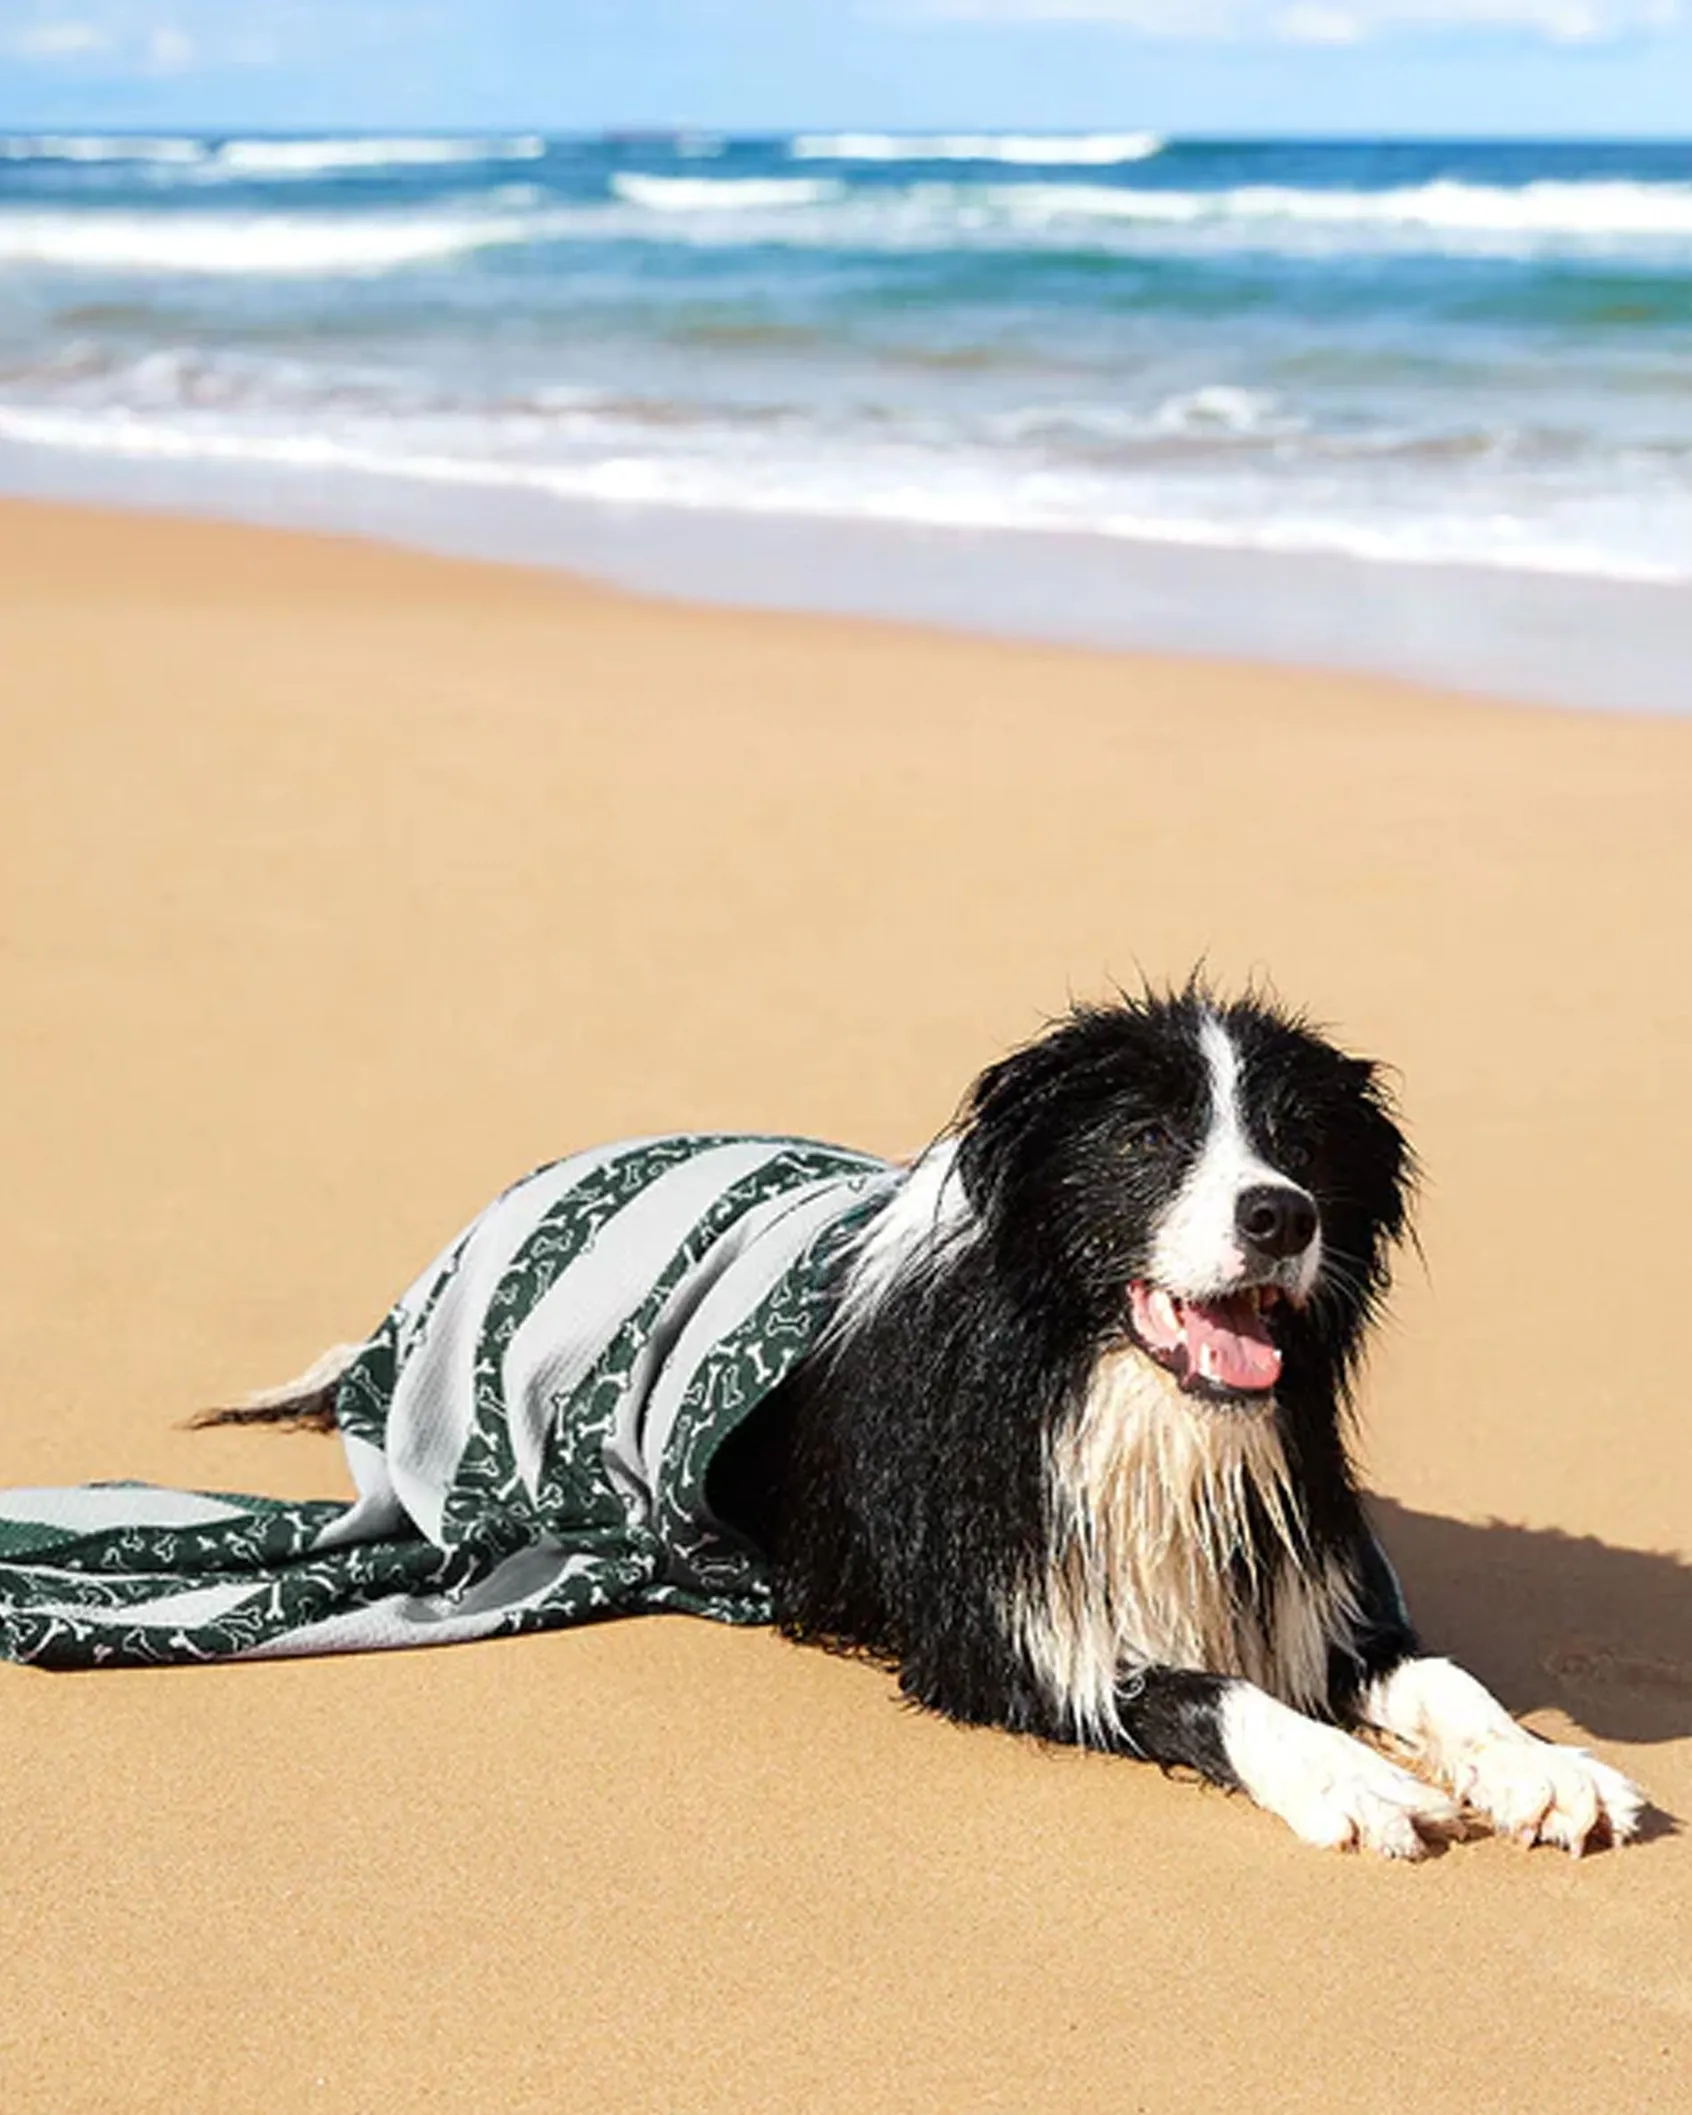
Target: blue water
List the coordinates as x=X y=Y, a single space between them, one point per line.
x=1472 y=355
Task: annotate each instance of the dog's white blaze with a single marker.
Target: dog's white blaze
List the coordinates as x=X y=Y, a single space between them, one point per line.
x=1327 y=1787
x=1456 y=1729
x=1152 y=1501
x=928 y=1214
x=1196 y=1250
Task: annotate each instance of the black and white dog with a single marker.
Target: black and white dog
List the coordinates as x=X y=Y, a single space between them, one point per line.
x=1074 y=1459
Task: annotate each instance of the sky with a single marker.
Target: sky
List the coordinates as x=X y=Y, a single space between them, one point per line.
x=1419 y=68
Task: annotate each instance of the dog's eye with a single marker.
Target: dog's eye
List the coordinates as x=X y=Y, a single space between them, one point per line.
x=1292 y=1154
x=1155 y=1135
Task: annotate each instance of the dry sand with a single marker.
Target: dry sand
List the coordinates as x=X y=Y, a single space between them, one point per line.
x=340 y=885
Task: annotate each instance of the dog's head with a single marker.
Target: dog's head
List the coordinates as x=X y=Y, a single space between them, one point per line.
x=1214 y=1181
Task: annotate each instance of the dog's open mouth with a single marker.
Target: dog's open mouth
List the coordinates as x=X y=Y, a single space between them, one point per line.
x=1213 y=1347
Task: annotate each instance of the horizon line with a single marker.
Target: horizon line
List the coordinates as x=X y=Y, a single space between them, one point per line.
x=762 y=134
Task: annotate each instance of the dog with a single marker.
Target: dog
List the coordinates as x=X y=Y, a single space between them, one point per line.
x=1073 y=1457
x=1070 y=1453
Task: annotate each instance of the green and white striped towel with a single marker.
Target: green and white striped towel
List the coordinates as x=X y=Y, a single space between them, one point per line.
x=529 y=1431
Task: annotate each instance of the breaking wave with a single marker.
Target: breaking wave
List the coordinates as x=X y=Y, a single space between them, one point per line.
x=320 y=157
x=876 y=211
x=259 y=157
x=1443 y=217
x=1045 y=150
x=1593 y=208
x=716 y=194
x=97 y=147
x=253 y=243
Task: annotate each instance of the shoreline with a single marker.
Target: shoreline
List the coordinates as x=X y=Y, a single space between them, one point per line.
x=1537 y=639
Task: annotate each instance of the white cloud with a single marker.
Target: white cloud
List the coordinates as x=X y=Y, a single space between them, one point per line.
x=166 y=39
x=1316 y=24
x=153 y=39
x=62 y=39
x=168 y=49
x=1327 y=21
x=118 y=33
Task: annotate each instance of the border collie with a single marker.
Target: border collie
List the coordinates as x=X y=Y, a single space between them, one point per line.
x=1073 y=1458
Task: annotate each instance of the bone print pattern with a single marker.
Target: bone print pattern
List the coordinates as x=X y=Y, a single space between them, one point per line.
x=529 y=1430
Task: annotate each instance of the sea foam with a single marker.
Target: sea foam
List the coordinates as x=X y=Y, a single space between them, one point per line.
x=253 y=243
x=720 y=194
x=1446 y=216
x=1046 y=150
x=1444 y=207
x=317 y=157
x=1443 y=217
x=941 y=491
x=96 y=147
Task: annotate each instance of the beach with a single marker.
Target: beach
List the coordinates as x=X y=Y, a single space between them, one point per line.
x=344 y=883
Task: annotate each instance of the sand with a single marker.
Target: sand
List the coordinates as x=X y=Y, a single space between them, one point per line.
x=340 y=885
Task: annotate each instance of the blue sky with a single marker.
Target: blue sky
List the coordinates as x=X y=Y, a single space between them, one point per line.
x=1535 y=67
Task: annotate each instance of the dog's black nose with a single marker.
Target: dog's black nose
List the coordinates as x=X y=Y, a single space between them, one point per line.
x=1275 y=1219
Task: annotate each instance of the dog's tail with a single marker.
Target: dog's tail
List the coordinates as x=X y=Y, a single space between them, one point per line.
x=307 y=1402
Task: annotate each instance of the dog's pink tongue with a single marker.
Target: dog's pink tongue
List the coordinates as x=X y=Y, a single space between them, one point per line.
x=1228 y=1343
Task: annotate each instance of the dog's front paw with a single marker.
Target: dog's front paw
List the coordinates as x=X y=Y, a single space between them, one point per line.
x=1525 y=1787
x=1360 y=1801
x=1539 y=1792
x=1327 y=1787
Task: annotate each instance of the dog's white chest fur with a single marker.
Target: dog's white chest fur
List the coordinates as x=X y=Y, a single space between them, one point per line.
x=1158 y=1505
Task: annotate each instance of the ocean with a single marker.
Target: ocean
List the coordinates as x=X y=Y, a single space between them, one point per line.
x=1070 y=383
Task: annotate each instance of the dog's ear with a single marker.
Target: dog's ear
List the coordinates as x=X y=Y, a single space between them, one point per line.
x=1009 y=1112
x=1374 y=1215
x=1001 y=1112
x=1391 y=1164
x=984 y=1121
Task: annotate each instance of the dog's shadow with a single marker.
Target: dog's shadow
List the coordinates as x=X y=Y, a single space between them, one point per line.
x=1548 y=1619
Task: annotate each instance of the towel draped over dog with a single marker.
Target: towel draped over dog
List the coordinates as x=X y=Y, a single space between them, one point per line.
x=530 y=1431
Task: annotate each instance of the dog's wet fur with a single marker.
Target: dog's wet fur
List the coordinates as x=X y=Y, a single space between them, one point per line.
x=916 y=1483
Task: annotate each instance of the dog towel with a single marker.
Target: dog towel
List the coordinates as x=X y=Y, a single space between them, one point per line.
x=530 y=1432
